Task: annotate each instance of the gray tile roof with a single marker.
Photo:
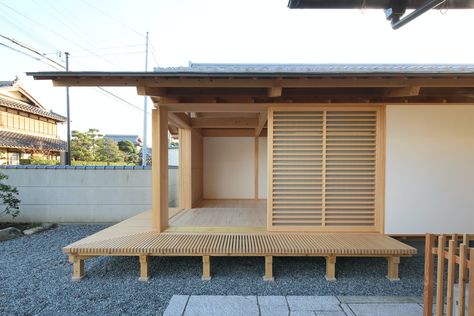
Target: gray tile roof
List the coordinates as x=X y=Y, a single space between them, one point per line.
x=7 y=83
x=18 y=105
x=195 y=68
x=134 y=139
x=24 y=141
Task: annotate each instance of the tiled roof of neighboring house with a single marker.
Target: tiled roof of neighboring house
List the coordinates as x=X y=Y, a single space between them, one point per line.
x=23 y=141
x=135 y=139
x=314 y=69
x=7 y=83
x=22 y=106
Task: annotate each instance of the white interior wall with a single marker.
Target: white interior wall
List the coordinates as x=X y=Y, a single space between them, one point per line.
x=229 y=168
x=429 y=169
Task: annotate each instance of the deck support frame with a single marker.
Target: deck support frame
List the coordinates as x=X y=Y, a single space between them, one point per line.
x=77 y=268
x=268 y=269
x=392 y=268
x=144 y=268
x=331 y=268
x=206 y=268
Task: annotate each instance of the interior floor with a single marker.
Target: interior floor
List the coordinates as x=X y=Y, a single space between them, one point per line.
x=223 y=213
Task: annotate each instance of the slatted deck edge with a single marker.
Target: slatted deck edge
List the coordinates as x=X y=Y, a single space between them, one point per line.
x=248 y=244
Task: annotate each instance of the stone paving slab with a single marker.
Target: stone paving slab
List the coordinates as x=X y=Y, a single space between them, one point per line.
x=210 y=305
x=387 y=309
x=313 y=303
x=380 y=299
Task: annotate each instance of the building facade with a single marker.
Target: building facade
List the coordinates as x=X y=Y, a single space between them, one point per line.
x=27 y=129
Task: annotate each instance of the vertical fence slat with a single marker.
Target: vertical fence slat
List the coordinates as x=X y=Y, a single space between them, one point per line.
x=470 y=301
x=462 y=278
x=440 y=277
x=465 y=240
x=429 y=275
x=451 y=272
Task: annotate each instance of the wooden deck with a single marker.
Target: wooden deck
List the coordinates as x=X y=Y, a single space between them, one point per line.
x=136 y=237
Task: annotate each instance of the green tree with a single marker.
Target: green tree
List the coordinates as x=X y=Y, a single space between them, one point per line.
x=108 y=151
x=9 y=198
x=129 y=151
x=84 y=145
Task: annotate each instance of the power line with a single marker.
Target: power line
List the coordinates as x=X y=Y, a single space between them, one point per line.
x=114 y=19
x=25 y=46
x=59 y=34
x=59 y=66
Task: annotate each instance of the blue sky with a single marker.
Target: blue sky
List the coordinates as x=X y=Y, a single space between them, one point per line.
x=109 y=35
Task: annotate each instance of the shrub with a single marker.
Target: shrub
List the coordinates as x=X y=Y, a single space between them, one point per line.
x=9 y=198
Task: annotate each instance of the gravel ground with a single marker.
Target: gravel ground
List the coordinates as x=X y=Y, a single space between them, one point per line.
x=35 y=278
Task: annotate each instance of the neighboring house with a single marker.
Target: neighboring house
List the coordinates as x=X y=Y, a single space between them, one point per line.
x=134 y=139
x=298 y=160
x=26 y=127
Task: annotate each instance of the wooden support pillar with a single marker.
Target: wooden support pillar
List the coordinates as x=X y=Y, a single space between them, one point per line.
x=256 y=163
x=160 y=168
x=429 y=275
x=185 y=176
x=268 y=269
x=206 y=268
x=77 y=268
x=392 y=268
x=331 y=268
x=144 y=268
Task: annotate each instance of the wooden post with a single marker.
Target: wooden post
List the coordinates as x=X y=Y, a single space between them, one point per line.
x=470 y=299
x=268 y=269
x=331 y=268
x=144 y=268
x=77 y=268
x=206 y=268
x=440 y=277
x=451 y=275
x=256 y=162
x=392 y=268
x=160 y=169
x=429 y=275
x=185 y=180
x=462 y=279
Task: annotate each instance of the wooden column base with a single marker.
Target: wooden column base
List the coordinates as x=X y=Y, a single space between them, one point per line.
x=144 y=268
x=392 y=273
x=268 y=269
x=77 y=268
x=331 y=268
x=206 y=268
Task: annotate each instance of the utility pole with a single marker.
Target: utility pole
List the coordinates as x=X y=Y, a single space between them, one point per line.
x=145 y=111
x=68 y=154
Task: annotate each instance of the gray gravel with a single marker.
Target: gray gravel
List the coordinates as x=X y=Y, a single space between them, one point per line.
x=35 y=278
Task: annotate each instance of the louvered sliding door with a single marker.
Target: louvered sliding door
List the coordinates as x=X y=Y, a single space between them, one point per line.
x=325 y=171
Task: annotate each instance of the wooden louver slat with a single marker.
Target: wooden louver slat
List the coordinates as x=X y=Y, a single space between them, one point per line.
x=324 y=169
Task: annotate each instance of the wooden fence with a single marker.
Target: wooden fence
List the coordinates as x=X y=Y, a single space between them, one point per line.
x=460 y=262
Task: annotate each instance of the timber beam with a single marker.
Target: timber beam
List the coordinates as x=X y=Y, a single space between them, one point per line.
x=224 y=122
x=180 y=120
x=152 y=91
x=403 y=92
x=296 y=82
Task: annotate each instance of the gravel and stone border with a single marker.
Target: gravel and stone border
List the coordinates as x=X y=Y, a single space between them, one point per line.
x=35 y=278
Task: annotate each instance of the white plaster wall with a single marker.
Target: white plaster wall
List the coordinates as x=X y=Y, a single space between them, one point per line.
x=262 y=168
x=429 y=169
x=228 y=167
x=84 y=195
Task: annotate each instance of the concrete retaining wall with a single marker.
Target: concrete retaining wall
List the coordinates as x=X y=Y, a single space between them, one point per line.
x=84 y=195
